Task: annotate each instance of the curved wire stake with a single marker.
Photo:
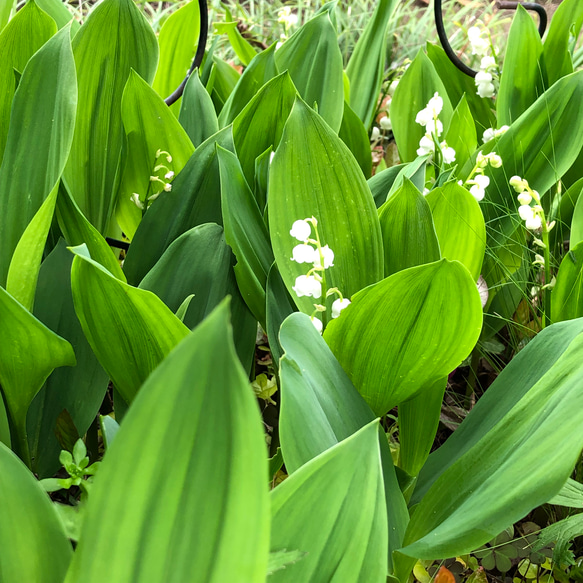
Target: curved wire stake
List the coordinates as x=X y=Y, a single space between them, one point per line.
x=503 y=5
x=202 y=38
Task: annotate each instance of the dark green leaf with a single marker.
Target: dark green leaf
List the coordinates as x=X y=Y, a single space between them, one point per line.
x=197 y=112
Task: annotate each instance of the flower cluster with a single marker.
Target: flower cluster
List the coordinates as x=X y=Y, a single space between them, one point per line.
x=491 y=133
x=488 y=76
x=321 y=257
x=533 y=215
x=159 y=182
x=429 y=119
x=477 y=180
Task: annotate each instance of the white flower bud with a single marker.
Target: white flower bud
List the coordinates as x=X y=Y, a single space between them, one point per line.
x=448 y=154
x=317 y=323
x=526 y=213
x=434 y=127
x=135 y=198
x=338 y=306
x=488 y=135
x=168 y=187
x=495 y=160
x=534 y=223
x=524 y=198
x=385 y=123
x=487 y=63
x=486 y=89
x=301 y=230
x=477 y=192
x=426 y=146
x=304 y=254
x=518 y=184
x=169 y=175
x=375 y=134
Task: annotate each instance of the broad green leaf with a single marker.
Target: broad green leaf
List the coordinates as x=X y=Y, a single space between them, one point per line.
x=178 y=42
x=335 y=192
x=366 y=67
x=5 y=12
x=567 y=296
x=409 y=236
x=199 y=262
x=224 y=79
x=320 y=407
x=195 y=199
x=532 y=420
x=79 y=390
x=4 y=427
x=414 y=171
x=577 y=220
x=279 y=305
x=34 y=544
x=115 y=39
x=246 y=234
x=243 y=49
x=78 y=230
x=59 y=12
x=109 y=428
x=523 y=76
x=130 y=330
x=461 y=135
x=459 y=84
x=23 y=36
x=353 y=134
x=260 y=124
x=214 y=523
x=571 y=495
x=381 y=183
x=418 y=422
x=418 y=85
x=318 y=78
x=391 y=354
x=149 y=127
x=30 y=352
x=197 y=112
x=459 y=225
x=260 y=70
x=34 y=160
x=27 y=257
x=335 y=514
x=565 y=24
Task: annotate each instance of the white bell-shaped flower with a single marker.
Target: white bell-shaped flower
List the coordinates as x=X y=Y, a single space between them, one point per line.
x=339 y=305
x=301 y=230
x=304 y=254
x=307 y=285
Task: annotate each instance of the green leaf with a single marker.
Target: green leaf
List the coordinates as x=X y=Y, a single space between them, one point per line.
x=77 y=390
x=577 y=220
x=27 y=257
x=466 y=495
x=23 y=36
x=335 y=192
x=523 y=77
x=149 y=127
x=279 y=307
x=561 y=533
x=567 y=296
x=197 y=112
x=200 y=263
x=109 y=428
x=334 y=514
x=246 y=234
x=130 y=330
x=78 y=230
x=115 y=39
x=260 y=70
x=409 y=236
x=223 y=80
x=243 y=49
x=34 y=160
x=178 y=42
x=195 y=199
x=281 y=559
x=33 y=541
x=5 y=12
x=459 y=225
x=566 y=22
x=318 y=78
x=367 y=63
x=571 y=495
x=381 y=183
x=260 y=124
x=461 y=135
x=416 y=88
x=407 y=350
x=353 y=134
x=215 y=519
x=30 y=353
x=59 y=12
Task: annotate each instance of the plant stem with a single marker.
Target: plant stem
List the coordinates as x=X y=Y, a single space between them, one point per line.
x=547 y=291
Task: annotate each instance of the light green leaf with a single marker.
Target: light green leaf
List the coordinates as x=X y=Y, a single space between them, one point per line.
x=391 y=354
x=577 y=220
x=243 y=49
x=5 y=12
x=461 y=135
x=335 y=192
x=260 y=70
x=246 y=234
x=197 y=112
x=523 y=76
x=59 y=12
x=279 y=306
x=130 y=330
x=334 y=514
x=381 y=183
x=260 y=124
x=223 y=80
x=23 y=36
x=571 y=495
x=567 y=295
x=530 y=418
x=318 y=78
x=30 y=352
x=214 y=523
x=34 y=160
x=178 y=42
x=353 y=134
x=416 y=88
x=367 y=63
x=115 y=39
x=149 y=126
x=27 y=257
x=459 y=225
x=409 y=237
x=34 y=544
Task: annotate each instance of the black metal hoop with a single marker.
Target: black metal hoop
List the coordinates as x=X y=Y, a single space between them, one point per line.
x=504 y=6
